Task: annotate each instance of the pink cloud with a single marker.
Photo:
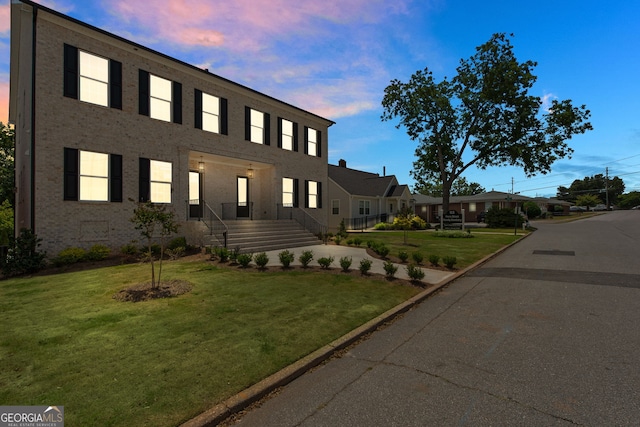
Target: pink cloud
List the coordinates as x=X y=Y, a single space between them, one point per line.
x=4 y=102
x=5 y=18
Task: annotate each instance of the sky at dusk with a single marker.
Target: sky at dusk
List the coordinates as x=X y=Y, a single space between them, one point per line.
x=335 y=57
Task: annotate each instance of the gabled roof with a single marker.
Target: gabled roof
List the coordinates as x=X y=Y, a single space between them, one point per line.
x=397 y=190
x=359 y=183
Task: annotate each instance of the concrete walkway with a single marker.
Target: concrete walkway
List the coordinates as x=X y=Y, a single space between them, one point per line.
x=356 y=254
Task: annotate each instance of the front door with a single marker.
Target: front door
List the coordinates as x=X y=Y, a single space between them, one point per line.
x=243 y=198
x=195 y=195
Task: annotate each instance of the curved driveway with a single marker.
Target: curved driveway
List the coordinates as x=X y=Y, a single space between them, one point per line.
x=547 y=333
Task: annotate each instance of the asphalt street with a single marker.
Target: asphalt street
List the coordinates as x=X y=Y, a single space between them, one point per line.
x=545 y=334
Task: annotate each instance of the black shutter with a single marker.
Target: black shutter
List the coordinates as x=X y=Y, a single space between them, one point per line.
x=115 y=84
x=177 y=102
x=197 y=116
x=247 y=123
x=143 y=93
x=279 y=132
x=295 y=136
x=267 y=129
x=115 y=177
x=306 y=140
x=71 y=178
x=319 y=196
x=306 y=193
x=70 y=88
x=224 y=128
x=296 y=191
x=144 y=182
x=318 y=143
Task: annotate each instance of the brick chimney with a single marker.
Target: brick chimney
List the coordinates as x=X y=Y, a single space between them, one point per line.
x=342 y=163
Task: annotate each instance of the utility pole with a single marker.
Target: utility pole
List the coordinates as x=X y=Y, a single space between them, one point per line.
x=606 y=186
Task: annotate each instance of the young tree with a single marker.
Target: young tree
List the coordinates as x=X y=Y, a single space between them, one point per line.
x=7 y=163
x=588 y=200
x=483 y=116
x=151 y=219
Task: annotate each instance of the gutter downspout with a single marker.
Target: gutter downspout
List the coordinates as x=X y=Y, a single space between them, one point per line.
x=33 y=121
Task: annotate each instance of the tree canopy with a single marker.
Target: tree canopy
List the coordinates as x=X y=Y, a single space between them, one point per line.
x=596 y=185
x=460 y=187
x=7 y=164
x=484 y=116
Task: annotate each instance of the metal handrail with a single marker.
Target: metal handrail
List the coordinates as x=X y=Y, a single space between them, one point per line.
x=216 y=226
x=303 y=218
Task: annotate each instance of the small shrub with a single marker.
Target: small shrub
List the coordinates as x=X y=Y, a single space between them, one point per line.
x=305 y=258
x=415 y=273
x=325 y=262
x=244 y=260
x=234 y=254
x=370 y=244
x=98 y=252
x=176 y=253
x=178 y=242
x=357 y=241
x=381 y=226
x=155 y=249
x=382 y=250
x=342 y=230
x=454 y=234
x=349 y=242
x=390 y=268
x=23 y=255
x=365 y=266
x=261 y=260
x=69 y=256
x=224 y=254
x=286 y=258
x=403 y=255
x=449 y=261
x=417 y=257
x=337 y=239
x=345 y=263
x=129 y=249
x=434 y=259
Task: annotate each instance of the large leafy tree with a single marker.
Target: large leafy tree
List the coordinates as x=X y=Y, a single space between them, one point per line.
x=596 y=185
x=7 y=163
x=484 y=116
x=460 y=187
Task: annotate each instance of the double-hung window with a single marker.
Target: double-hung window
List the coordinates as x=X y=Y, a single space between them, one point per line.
x=287 y=134
x=289 y=192
x=92 y=176
x=155 y=181
x=159 y=98
x=312 y=141
x=257 y=126
x=365 y=207
x=92 y=78
x=335 y=207
x=313 y=195
x=210 y=113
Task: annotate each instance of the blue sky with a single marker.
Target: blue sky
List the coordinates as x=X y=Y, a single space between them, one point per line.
x=335 y=57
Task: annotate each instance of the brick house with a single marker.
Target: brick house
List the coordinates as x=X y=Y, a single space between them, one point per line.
x=101 y=121
x=362 y=199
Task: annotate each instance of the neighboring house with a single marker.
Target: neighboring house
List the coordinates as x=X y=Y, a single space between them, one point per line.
x=362 y=199
x=429 y=208
x=100 y=121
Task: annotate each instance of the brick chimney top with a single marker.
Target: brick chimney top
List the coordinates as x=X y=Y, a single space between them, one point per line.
x=342 y=163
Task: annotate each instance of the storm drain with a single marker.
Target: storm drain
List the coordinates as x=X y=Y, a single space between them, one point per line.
x=554 y=252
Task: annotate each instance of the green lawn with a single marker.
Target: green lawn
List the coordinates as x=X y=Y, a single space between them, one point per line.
x=467 y=251
x=66 y=341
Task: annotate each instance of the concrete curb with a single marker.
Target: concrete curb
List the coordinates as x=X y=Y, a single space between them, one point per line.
x=245 y=398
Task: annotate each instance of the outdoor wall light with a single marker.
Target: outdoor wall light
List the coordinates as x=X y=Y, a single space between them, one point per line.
x=201 y=165
x=250 y=172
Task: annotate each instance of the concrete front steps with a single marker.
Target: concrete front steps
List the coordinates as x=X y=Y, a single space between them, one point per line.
x=254 y=236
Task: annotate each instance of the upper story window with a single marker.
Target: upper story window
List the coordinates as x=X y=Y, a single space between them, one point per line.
x=160 y=98
x=155 y=181
x=92 y=78
x=210 y=113
x=312 y=141
x=256 y=127
x=287 y=134
x=92 y=176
